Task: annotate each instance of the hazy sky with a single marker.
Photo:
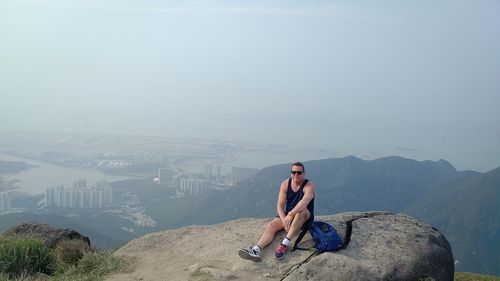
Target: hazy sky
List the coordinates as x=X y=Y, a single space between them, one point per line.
x=419 y=79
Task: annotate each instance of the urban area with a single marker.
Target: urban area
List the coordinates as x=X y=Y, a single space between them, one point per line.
x=183 y=167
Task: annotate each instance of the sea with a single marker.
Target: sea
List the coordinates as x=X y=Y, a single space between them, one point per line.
x=37 y=180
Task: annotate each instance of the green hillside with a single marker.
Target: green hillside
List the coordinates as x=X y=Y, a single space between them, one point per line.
x=466 y=211
x=343 y=184
x=460 y=204
x=467 y=276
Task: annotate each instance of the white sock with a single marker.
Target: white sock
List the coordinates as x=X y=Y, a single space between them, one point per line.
x=256 y=248
x=286 y=241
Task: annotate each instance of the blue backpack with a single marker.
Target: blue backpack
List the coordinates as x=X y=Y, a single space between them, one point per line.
x=326 y=238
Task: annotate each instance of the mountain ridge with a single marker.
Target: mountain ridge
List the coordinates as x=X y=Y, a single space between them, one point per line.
x=462 y=204
x=472 y=223
x=336 y=179
x=393 y=184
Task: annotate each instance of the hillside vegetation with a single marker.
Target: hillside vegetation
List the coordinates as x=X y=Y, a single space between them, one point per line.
x=460 y=204
x=28 y=259
x=467 y=276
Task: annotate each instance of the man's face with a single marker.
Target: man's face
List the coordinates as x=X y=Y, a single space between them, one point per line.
x=297 y=174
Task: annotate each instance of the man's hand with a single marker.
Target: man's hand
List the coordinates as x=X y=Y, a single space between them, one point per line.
x=287 y=222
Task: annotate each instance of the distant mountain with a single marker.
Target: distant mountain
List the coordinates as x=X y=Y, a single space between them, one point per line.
x=461 y=204
x=343 y=184
x=467 y=212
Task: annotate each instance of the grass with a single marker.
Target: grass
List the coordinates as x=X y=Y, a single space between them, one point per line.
x=27 y=259
x=92 y=267
x=70 y=252
x=25 y=256
x=467 y=276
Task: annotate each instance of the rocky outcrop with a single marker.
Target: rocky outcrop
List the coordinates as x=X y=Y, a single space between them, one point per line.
x=49 y=235
x=383 y=246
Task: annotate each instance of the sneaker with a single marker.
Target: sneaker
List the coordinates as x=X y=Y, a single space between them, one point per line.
x=280 y=252
x=249 y=254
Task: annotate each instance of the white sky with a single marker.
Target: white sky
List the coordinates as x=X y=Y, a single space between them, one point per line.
x=419 y=79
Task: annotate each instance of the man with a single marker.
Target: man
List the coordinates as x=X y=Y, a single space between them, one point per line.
x=295 y=207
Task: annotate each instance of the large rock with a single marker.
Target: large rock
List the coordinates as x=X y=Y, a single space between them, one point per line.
x=51 y=236
x=383 y=246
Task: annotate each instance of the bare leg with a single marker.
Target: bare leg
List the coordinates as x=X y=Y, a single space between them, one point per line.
x=297 y=223
x=271 y=229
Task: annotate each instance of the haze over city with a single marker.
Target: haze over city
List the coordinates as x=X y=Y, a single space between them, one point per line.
x=419 y=79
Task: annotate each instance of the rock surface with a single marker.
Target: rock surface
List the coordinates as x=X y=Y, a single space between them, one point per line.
x=49 y=235
x=383 y=246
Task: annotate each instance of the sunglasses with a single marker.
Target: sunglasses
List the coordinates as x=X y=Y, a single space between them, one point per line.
x=297 y=173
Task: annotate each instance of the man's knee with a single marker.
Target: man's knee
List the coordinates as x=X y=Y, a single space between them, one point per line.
x=275 y=225
x=303 y=216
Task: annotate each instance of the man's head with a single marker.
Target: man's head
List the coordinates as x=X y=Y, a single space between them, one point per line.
x=298 y=172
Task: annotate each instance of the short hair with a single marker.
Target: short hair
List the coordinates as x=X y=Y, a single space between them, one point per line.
x=300 y=165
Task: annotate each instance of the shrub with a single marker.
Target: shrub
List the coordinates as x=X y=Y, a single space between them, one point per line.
x=469 y=276
x=69 y=252
x=99 y=263
x=24 y=256
x=26 y=259
x=4 y=277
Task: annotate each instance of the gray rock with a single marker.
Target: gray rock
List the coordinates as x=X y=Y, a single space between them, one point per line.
x=383 y=246
x=50 y=236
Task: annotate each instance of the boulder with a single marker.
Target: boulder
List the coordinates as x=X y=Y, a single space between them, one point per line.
x=50 y=236
x=383 y=246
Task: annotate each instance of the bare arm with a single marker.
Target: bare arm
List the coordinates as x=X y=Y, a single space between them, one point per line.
x=309 y=191
x=280 y=205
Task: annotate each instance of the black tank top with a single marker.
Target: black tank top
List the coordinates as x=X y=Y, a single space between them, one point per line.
x=292 y=198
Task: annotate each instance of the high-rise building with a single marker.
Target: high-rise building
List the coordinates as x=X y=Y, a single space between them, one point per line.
x=208 y=170
x=176 y=181
x=240 y=173
x=193 y=186
x=80 y=196
x=165 y=175
x=4 y=202
x=49 y=197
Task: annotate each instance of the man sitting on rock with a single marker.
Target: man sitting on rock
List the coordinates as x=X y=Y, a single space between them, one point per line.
x=295 y=207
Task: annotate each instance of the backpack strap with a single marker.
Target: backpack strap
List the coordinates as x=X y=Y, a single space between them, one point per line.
x=304 y=230
x=307 y=226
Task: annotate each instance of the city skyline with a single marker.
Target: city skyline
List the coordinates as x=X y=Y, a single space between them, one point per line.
x=79 y=196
